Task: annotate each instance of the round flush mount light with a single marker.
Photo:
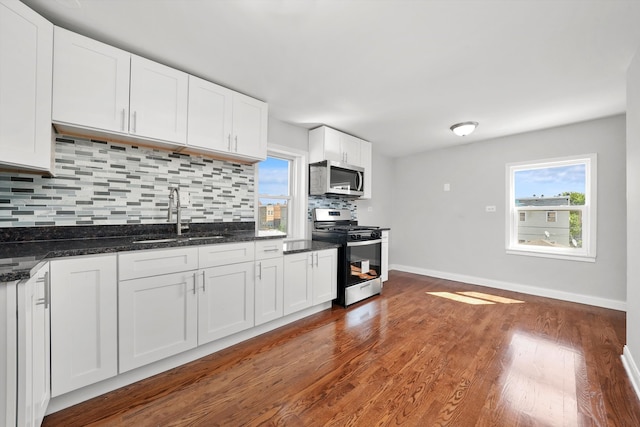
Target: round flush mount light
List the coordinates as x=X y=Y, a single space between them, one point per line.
x=464 y=128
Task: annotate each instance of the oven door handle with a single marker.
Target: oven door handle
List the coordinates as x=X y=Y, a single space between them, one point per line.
x=365 y=242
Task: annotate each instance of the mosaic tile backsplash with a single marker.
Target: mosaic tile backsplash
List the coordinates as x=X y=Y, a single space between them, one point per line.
x=99 y=183
x=331 y=203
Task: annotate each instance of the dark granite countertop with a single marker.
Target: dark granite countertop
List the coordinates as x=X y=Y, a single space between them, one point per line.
x=22 y=250
x=297 y=246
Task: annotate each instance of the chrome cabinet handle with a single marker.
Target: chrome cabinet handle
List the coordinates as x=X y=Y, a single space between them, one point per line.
x=236 y=143
x=311 y=260
x=317 y=259
x=123 y=113
x=194 y=283
x=229 y=142
x=275 y=249
x=47 y=290
x=46 y=300
x=203 y=283
x=260 y=270
x=135 y=122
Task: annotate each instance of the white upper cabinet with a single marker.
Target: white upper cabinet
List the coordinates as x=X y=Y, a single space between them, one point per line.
x=249 y=127
x=90 y=83
x=26 y=49
x=99 y=90
x=329 y=144
x=158 y=101
x=210 y=115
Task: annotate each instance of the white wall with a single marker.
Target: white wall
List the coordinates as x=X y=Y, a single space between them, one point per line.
x=449 y=234
x=377 y=210
x=289 y=135
x=633 y=225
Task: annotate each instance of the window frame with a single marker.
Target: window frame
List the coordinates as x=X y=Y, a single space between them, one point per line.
x=297 y=199
x=587 y=252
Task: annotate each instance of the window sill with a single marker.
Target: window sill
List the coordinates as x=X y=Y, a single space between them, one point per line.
x=545 y=254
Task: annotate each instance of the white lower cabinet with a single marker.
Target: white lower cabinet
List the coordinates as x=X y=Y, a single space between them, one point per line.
x=34 y=354
x=297 y=282
x=225 y=304
x=157 y=318
x=324 y=273
x=84 y=319
x=385 y=256
x=269 y=289
x=310 y=278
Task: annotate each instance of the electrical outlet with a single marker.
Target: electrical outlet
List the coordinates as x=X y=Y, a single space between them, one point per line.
x=185 y=198
x=490 y=208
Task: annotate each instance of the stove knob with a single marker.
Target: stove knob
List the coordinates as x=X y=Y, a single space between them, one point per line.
x=375 y=235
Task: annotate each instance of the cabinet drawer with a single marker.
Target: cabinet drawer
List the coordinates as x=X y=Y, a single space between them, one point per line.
x=271 y=248
x=133 y=265
x=223 y=254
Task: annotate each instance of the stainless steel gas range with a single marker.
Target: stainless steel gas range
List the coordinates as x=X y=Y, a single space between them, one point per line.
x=359 y=254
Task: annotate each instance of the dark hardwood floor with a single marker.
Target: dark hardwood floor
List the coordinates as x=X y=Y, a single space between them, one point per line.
x=404 y=358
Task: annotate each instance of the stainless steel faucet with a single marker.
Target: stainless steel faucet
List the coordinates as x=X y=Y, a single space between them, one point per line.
x=174 y=196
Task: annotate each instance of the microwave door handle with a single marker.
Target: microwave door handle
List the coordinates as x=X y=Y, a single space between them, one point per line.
x=359 y=181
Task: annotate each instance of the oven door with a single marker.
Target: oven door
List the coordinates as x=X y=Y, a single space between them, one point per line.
x=363 y=261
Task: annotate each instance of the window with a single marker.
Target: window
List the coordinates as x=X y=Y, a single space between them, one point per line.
x=274 y=176
x=281 y=199
x=569 y=230
x=551 y=216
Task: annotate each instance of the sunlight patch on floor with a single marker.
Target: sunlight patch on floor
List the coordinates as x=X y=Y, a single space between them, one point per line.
x=475 y=298
x=461 y=298
x=489 y=297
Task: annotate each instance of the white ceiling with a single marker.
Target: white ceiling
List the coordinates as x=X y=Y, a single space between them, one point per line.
x=395 y=72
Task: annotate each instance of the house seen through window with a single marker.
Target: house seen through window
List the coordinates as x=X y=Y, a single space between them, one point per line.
x=552 y=208
x=274 y=195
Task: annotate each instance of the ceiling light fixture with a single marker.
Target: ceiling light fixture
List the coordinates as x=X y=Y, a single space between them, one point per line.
x=464 y=128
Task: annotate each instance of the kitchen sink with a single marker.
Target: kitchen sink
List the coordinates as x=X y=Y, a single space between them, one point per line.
x=178 y=239
x=206 y=237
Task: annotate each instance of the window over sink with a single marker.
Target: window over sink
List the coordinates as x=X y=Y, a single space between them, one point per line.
x=281 y=196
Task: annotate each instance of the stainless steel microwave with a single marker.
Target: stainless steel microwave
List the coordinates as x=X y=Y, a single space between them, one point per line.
x=335 y=178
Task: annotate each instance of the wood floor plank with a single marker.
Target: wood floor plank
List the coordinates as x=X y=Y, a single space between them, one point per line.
x=404 y=358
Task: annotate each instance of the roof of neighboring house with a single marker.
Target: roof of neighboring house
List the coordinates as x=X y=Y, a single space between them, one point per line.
x=543 y=201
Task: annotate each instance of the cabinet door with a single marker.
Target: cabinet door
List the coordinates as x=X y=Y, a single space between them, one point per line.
x=84 y=322
x=157 y=318
x=332 y=147
x=158 y=101
x=225 y=304
x=34 y=355
x=90 y=83
x=210 y=113
x=26 y=49
x=350 y=148
x=269 y=288
x=297 y=282
x=249 y=127
x=8 y=353
x=384 y=274
x=325 y=275
x=365 y=162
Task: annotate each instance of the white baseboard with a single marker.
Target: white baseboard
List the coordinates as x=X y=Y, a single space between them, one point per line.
x=632 y=369
x=516 y=287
